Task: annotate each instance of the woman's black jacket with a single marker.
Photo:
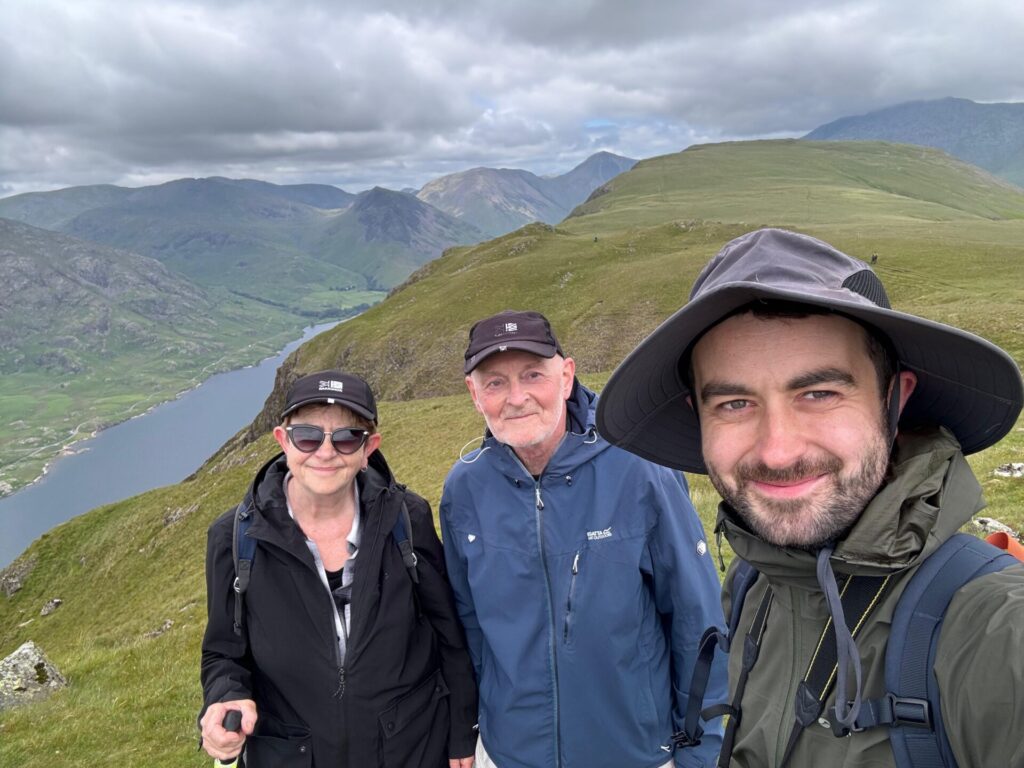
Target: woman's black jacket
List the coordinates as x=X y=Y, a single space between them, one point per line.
x=405 y=696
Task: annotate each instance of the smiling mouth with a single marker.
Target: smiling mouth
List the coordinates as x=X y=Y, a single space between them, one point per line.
x=788 y=489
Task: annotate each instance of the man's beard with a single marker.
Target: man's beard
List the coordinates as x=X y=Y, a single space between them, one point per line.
x=507 y=436
x=806 y=523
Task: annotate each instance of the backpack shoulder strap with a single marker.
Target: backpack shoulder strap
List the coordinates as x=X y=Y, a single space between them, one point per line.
x=243 y=551
x=911 y=708
x=742 y=579
x=402 y=533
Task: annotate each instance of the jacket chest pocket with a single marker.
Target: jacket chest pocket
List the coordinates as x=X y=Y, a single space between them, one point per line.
x=572 y=599
x=414 y=729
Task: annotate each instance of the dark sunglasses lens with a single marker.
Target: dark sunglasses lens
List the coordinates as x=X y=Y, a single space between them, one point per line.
x=306 y=439
x=348 y=440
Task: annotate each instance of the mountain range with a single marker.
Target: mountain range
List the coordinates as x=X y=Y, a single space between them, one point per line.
x=277 y=242
x=990 y=136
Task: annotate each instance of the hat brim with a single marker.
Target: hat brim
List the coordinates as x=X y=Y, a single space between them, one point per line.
x=966 y=384
x=534 y=347
x=322 y=399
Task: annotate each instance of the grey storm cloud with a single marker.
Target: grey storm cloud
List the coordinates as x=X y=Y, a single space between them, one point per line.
x=397 y=92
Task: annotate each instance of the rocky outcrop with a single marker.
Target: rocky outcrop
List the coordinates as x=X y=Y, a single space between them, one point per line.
x=12 y=578
x=27 y=675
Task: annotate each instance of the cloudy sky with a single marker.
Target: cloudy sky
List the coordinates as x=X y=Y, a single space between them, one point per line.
x=396 y=92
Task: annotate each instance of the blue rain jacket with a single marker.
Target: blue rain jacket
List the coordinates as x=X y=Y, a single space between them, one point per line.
x=584 y=595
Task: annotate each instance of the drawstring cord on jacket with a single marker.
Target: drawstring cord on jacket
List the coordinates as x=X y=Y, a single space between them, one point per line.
x=846 y=647
x=589 y=436
x=484 y=449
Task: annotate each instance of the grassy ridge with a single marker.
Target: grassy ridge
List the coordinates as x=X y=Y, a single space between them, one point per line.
x=123 y=571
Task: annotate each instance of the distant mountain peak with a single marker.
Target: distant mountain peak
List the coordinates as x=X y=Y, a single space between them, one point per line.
x=500 y=200
x=990 y=136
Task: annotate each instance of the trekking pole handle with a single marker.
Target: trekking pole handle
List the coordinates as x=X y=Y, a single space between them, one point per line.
x=232 y=722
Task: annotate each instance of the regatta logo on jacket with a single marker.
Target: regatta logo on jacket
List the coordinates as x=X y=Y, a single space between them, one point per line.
x=332 y=386
x=597 y=535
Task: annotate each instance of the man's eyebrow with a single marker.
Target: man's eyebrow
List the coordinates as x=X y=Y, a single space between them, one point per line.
x=811 y=378
x=723 y=389
x=822 y=376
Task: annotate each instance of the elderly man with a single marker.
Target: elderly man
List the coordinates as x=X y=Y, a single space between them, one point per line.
x=580 y=571
x=835 y=430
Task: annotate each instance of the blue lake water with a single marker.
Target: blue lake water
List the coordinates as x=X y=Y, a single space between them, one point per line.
x=161 y=447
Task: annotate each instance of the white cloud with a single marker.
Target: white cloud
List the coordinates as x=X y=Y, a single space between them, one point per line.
x=397 y=92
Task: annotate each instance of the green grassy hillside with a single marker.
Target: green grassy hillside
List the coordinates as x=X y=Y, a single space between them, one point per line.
x=126 y=569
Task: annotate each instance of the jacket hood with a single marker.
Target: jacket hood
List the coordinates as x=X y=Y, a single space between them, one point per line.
x=929 y=494
x=580 y=445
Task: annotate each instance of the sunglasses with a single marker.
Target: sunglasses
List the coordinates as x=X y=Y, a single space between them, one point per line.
x=308 y=439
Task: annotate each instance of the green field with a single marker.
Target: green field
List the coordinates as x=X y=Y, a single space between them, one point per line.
x=950 y=246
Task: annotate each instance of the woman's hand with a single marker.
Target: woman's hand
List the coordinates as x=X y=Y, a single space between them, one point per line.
x=219 y=742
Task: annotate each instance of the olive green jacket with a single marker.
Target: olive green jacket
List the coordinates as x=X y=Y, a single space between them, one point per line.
x=929 y=494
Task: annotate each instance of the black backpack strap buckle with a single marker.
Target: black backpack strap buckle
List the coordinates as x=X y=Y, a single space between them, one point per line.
x=891 y=710
x=683 y=739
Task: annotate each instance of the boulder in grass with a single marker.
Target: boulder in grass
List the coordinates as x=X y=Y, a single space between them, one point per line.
x=27 y=675
x=12 y=578
x=1012 y=469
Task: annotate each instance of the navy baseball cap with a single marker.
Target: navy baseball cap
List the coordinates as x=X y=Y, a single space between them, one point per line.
x=332 y=388
x=526 y=331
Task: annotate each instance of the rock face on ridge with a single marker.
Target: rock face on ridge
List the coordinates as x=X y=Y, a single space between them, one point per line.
x=27 y=675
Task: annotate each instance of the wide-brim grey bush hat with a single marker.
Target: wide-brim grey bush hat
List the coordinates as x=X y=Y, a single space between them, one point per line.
x=964 y=383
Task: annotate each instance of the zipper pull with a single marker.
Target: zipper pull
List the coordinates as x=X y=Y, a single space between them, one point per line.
x=718 y=546
x=340 y=693
x=540 y=503
x=576 y=564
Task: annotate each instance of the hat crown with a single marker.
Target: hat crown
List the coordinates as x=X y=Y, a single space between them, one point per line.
x=793 y=262
x=332 y=388
x=527 y=331
x=964 y=383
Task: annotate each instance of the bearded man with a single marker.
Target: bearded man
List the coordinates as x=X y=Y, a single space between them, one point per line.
x=835 y=429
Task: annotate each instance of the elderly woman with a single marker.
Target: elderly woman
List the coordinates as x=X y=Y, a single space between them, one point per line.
x=342 y=650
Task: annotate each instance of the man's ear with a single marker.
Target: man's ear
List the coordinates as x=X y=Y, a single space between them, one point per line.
x=471 y=386
x=568 y=376
x=908 y=382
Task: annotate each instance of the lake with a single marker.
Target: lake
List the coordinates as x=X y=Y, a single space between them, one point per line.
x=160 y=447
